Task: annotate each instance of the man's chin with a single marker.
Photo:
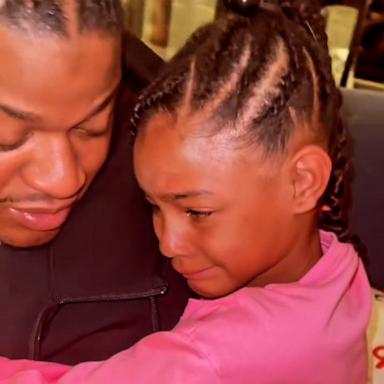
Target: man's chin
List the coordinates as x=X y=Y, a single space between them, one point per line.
x=30 y=239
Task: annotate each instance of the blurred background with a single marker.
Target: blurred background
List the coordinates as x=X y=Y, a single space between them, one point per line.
x=355 y=31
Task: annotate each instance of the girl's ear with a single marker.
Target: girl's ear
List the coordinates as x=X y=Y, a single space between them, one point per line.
x=310 y=170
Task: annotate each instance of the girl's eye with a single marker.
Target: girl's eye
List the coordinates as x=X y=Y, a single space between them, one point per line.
x=198 y=214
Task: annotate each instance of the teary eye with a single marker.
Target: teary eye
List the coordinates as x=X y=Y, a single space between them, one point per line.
x=197 y=213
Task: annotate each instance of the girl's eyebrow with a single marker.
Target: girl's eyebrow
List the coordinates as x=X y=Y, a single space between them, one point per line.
x=185 y=195
x=180 y=195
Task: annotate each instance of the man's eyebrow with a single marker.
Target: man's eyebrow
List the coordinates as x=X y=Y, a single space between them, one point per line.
x=99 y=108
x=34 y=118
x=19 y=114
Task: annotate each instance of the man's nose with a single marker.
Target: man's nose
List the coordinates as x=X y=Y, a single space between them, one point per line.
x=55 y=169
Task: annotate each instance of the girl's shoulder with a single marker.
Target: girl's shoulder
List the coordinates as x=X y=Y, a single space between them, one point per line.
x=276 y=338
x=318 y=322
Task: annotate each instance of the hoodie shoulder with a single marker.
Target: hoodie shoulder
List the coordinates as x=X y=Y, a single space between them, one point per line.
x=140 y=63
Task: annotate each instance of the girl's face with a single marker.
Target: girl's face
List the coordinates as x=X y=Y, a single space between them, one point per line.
x=222 y=214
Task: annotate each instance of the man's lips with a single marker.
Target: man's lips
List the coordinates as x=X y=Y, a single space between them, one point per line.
x=40 y=218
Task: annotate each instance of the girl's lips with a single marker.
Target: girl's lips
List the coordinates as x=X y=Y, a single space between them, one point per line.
x=40 y=220
x=202 y=274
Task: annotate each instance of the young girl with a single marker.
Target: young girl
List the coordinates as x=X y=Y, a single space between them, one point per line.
x=240 y=150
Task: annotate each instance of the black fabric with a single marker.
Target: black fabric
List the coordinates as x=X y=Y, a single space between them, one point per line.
x=101 y=285
x=364 y=115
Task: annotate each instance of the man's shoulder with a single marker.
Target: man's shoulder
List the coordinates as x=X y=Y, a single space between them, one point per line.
x=140 y=63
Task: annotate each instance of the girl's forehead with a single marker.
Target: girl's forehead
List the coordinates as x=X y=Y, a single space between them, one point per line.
x=186 y=140
x=169 y=149
x=201 y=139
x=193 y=129
x=167 y=159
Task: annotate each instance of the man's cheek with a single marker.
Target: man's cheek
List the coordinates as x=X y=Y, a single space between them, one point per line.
x=9 y=174
x=95 y=156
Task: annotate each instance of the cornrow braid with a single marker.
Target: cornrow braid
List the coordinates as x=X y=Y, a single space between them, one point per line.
x=247 y=73
x=167 y=89
x=334 y=216
x=307 y=14
x=51 y=17
x=103 y=15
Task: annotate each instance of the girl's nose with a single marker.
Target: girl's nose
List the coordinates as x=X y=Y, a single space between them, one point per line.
x=173 y=238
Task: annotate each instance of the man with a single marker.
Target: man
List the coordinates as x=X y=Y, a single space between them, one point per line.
x=80 y=275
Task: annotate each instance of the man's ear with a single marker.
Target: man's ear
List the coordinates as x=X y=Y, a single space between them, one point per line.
x=310 y=170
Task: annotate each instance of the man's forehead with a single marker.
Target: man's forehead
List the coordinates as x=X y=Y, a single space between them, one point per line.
x=63 y=19
x=42 y=89
x=45 y=18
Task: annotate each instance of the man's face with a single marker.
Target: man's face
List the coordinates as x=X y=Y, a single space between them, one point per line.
x=56 y=102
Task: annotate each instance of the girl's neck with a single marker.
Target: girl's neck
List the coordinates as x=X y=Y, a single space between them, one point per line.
x=303 y=255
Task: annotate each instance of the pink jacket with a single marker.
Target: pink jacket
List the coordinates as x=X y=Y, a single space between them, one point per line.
x=311 y=331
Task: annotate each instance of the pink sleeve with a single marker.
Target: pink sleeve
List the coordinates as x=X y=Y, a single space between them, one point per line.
x=11 y=369
x=164 y=357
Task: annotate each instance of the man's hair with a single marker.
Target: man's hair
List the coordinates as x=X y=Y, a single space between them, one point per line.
x=51 y=17
x=254 y=71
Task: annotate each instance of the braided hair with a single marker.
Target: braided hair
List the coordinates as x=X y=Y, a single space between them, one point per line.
x=254 y=69
x=51 y=17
